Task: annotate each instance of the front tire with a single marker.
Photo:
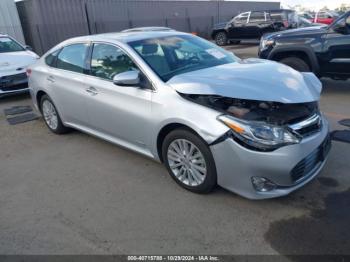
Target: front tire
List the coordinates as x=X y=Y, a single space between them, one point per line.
x=221 y=38
x=189 y=161
x=296 y=63
x=51 y=116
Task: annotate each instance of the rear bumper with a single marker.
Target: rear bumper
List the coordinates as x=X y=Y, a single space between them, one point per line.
x=237 y=165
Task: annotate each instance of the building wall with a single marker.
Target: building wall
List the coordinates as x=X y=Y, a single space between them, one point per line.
x=48 y=22
x=9 y=20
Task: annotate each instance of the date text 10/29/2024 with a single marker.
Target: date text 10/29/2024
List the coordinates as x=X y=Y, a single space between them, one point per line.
x=173 y=258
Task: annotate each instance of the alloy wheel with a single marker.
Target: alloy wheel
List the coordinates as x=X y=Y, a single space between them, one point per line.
x=221 y=39
x=186 y=162
x=50 y=114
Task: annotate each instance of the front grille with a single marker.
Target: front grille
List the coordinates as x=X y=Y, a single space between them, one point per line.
x=17 y=77
x=308 y=126
x=309 y=130
x=305 y=166
x=13 y=82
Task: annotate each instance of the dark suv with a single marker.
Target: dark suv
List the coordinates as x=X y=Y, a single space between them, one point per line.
x=252 y=25
x=322 y=50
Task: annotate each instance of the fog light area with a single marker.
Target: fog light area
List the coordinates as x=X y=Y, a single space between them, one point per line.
x=262 y=184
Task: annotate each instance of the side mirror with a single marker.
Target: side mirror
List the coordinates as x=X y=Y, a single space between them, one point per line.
x=28 y=47
x=128 y=78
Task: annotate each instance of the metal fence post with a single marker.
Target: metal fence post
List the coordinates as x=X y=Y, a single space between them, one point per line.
x=87 y=18
x=40 y=39
x=129 y=19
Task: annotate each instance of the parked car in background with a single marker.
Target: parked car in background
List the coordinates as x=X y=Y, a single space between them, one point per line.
x=303 y=22
x=14 y=60
x=323 y=50
x=252 y=25
x=307 y=15
x=289 y=18
x=209 y=116
x=325 y=17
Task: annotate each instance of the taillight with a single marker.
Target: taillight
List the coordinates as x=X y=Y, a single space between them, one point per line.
x=286 y=24
x=28 y=72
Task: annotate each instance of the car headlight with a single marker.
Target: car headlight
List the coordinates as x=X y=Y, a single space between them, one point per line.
x=259 y=135
x=265 y=43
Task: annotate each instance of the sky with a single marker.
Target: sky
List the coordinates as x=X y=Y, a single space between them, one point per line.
x=314 y=4
x=310 y=4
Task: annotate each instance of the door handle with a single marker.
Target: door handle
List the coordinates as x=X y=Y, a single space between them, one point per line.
x=51 y=79
x=92 y=91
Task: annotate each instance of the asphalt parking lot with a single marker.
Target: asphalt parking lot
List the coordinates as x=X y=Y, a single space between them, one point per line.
x=76 y=194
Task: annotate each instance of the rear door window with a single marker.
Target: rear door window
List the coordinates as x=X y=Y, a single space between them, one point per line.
x=278 y=16
x=257 y=17
x=72 y=58
x=241 y=19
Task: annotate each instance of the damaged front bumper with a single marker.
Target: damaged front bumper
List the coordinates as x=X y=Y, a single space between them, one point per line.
x=287 y=168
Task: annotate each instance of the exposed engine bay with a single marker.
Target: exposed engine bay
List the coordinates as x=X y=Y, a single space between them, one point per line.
x=270 y=112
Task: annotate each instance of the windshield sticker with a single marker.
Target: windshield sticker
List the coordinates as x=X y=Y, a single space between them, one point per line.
x=215 y=53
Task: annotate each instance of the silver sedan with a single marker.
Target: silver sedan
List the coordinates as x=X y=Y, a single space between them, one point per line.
x=251 y=126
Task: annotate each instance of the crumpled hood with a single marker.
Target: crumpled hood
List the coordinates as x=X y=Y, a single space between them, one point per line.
x=12 y=61
x=251 y=79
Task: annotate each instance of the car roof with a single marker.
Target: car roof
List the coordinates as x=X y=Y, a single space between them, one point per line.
x=269 y=11
x=125 y=36
x=3 y=35
x=148 y=28
x=279 y=10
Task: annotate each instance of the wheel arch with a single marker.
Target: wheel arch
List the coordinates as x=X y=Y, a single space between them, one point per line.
x=38 y=98
x=302 y=52
x=165 y=130
x=39 y=95
x=216 y=31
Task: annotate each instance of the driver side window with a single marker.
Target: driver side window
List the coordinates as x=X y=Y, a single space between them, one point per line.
x=108 y=61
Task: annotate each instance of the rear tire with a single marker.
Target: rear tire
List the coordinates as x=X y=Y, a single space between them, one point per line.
x=51 y=117
x=189 y=161
x=221 y=38
x=296 y=63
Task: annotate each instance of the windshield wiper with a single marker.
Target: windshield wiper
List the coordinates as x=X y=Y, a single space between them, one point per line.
x=169 y=75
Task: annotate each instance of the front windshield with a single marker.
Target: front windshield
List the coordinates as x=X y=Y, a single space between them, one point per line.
x=8 y=45
x=173 y=55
